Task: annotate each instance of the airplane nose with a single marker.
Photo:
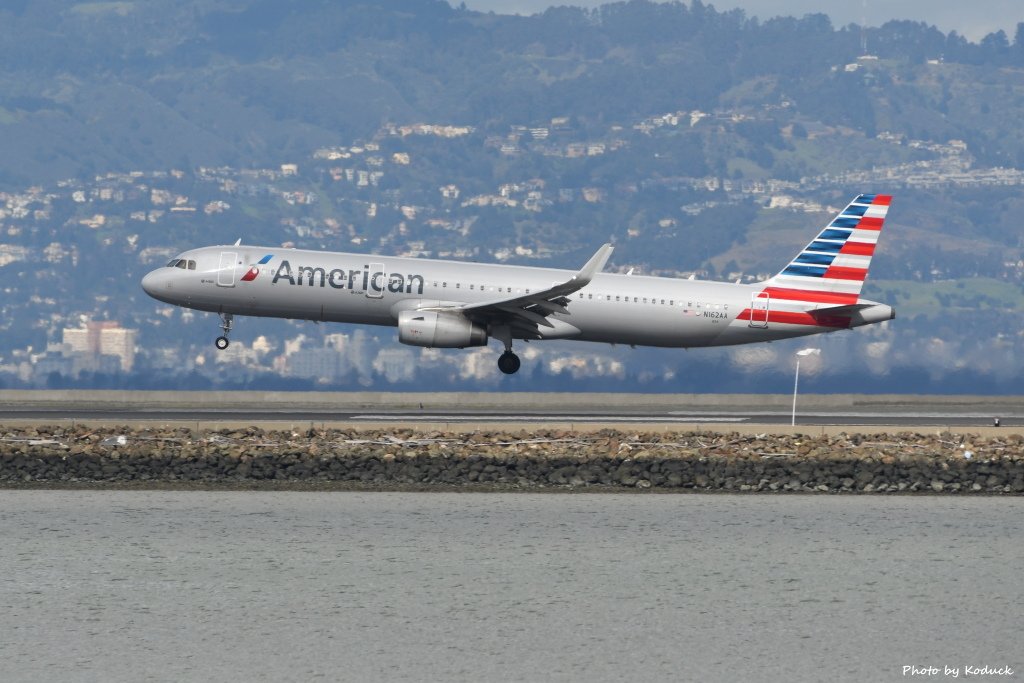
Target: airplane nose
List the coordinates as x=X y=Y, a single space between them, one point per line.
x=151 y=283
x=148 y=283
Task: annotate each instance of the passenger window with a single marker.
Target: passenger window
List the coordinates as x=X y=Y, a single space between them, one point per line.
x=636 y=300
x=458 y=285
x=444 y=284
x=617 y=297
x=471 y=286
x=590 y=296
x=662 y=302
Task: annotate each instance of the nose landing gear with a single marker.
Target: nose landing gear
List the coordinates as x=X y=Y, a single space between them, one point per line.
x=226 y=319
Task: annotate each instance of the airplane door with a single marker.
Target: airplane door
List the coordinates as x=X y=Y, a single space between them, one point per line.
x=378 y=281
x=759 y=304
x=226 y=269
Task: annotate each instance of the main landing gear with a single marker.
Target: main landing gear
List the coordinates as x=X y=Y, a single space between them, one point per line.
x=225 y=324
x=508 y=362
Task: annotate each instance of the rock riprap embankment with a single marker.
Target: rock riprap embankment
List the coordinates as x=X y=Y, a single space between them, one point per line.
x=600 y=460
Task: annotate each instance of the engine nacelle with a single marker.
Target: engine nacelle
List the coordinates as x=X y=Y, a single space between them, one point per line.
x=439 y=330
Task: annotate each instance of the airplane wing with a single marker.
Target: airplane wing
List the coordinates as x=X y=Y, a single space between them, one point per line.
x=526 y=313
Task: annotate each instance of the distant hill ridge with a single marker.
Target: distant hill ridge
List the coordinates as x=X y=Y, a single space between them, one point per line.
x=90 y=87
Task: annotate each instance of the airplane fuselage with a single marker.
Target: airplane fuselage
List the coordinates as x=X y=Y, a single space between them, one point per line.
x=455 y=304
x=356 y=288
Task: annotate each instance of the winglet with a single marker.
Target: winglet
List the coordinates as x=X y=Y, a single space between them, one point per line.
x=594 y=266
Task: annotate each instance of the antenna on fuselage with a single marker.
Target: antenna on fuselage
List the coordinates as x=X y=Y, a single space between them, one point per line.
x=238 y=242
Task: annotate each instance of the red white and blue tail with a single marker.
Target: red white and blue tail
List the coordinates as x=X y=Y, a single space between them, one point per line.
x=830 y=271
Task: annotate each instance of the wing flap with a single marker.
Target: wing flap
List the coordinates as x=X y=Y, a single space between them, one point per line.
x=535 y=318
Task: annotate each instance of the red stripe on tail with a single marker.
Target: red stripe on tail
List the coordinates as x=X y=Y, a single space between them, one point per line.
x=845 y=273
x=810 y=296
x=858 y=248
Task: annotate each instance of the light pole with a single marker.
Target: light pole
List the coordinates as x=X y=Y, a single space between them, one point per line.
x=802 y=353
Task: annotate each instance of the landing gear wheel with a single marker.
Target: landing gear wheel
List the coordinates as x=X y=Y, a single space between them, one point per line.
x=508 y=363
x=226 y=321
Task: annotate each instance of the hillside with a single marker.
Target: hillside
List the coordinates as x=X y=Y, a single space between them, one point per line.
x=700 y=142
x=91 y=87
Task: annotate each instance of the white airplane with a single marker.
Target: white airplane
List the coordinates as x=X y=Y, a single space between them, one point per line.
x=454 y=304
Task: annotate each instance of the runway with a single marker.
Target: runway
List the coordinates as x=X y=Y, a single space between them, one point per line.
x=501 y=410
x=404 y=416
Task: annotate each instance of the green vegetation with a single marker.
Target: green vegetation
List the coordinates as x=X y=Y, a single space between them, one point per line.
x=947 y=298
x=116 y=86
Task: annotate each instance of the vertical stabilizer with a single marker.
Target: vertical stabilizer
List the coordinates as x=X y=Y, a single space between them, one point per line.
x=832 y=268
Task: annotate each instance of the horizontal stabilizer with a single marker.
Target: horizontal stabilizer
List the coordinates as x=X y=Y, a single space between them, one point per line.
x=849 y=309
x=853 y=315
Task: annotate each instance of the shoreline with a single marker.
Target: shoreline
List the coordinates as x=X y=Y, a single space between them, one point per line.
x=502 y=459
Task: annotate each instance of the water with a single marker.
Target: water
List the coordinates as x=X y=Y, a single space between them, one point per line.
x=277 y=586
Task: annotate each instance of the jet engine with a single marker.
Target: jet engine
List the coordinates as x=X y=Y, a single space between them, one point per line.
x=439 y=330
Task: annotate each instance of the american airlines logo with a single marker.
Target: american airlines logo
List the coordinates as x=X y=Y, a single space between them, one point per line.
x=340 y=278
x=254 y=269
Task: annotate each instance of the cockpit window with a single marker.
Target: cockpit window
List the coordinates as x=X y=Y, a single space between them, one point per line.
x=181 y=263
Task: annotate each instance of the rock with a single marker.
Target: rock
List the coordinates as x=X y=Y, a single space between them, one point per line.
x=879 y=464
